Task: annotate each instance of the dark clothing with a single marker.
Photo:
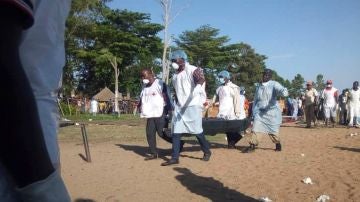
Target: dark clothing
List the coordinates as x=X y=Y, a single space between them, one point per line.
x=176 y=137
x=233 y=138
x=343 y=111
x=23 y=10
x=23 y=144
x=343 y=116
x=310 y=114
x=154 y=125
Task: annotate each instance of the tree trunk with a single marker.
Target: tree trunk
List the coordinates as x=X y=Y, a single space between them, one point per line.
x=166 y=5
x=116 y=73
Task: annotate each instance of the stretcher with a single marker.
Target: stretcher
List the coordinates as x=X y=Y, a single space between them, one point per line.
x=213 y=126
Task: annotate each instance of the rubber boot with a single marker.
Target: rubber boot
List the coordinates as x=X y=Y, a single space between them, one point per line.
x=277 y=147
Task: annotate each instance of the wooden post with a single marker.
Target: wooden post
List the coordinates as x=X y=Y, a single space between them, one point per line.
x=86 y=143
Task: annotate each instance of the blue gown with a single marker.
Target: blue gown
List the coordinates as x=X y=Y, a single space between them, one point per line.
x=266 y=109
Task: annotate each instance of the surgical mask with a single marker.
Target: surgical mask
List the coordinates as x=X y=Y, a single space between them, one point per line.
x=146 y=81
x=222 y=80
x=175 y=66
x=329 y=85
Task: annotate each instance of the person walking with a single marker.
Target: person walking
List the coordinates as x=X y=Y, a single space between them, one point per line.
x=189 y=85
x=343 y=106
x=329 y=98
x=311 y=97
x=94 y=106
x=266 y=111
x=154 y=105
x=229 y=105
x=354 y=105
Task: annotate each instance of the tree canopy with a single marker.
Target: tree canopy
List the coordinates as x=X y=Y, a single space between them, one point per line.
x=97 y=37
x=96 y=33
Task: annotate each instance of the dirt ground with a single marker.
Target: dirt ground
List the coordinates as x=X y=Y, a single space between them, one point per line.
x=118 y=172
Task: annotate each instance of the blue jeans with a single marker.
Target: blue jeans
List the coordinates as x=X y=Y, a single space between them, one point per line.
x=176 y=137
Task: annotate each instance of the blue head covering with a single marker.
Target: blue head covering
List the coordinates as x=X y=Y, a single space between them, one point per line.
x=224 y=74
x=178 y=54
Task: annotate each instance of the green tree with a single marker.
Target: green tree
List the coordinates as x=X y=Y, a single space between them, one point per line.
x=208 y=50
x=297 y=86
x=246 y=66
x=320 y=83
x=204 y=49
x=129 y=36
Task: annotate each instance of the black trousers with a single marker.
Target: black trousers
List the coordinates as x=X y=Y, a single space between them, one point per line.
x=153 y=126
x=233 y=138
x=343 y=116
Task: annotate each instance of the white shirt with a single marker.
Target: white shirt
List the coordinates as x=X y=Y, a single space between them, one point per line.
x=354 y=98
x=299 y=103
x=329 y=96
x=94 y=106
x=152 y=100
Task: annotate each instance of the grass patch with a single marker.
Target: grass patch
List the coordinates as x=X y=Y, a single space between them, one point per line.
x=129 y=129
x=101 y=117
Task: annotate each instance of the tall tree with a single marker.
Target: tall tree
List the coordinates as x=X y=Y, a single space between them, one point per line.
x=106 y=56
x=166 y=6
x=167 y=17
x=205 y=48
x=246 y=66
x=124 y=34
x=297 y=86
x=320 y=82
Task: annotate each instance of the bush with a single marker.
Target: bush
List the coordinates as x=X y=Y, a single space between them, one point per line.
x=66 y=109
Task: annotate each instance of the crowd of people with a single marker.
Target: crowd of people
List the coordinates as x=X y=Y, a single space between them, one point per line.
x=264 y=111
x=187 y=109
x=32 y=50
x=330 y=107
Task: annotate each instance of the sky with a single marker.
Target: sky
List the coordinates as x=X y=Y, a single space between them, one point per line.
x=307 y=37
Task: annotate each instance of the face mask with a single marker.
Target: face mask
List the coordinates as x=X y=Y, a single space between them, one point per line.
x=145 y=81
x=329 y=85
x=222 y=80
x=175 y=66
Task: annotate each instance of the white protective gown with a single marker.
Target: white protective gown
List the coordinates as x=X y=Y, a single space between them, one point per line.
x=227 y=94
x=187 y=117
x=354 y=104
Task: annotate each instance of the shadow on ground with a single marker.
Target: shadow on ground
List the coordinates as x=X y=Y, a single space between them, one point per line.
x=142 y=150
x=348 y=149
x=190 y=146
x=209 y=187
x=84 y=200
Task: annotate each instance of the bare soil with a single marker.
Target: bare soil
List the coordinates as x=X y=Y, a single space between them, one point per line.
x=118 y=172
